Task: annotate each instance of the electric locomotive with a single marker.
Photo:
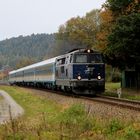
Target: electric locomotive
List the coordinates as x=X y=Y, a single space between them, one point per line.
x=81 y=71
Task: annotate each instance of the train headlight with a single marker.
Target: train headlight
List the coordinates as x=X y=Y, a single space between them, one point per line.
x=88 y=50
x=99 y=77
x=79 y=77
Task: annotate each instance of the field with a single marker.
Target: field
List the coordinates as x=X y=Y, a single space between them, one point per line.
x=45 y=119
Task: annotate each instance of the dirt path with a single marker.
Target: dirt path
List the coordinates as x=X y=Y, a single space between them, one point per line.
x=8 y=106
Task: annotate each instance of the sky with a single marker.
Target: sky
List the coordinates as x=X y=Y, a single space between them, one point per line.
x=25 y=17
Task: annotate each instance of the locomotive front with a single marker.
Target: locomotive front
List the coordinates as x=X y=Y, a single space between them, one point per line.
x=88 y=72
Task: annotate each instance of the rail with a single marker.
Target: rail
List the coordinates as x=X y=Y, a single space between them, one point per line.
x=125 y=103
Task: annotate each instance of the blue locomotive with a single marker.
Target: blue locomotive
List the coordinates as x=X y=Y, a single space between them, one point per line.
x=81 y=71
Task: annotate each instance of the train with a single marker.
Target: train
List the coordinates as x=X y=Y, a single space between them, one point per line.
x=80 y=71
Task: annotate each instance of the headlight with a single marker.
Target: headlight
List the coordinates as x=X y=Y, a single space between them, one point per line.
x=79 y=77
x=88 y=50
x=99 y=77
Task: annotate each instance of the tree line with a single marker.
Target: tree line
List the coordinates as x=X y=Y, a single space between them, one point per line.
x=22 y=51
x=114 y=30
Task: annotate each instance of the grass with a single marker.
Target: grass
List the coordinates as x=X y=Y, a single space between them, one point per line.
x=1 y=97
x=36 y=109
x=112 y=86
x=111 y=90
x=45 y=119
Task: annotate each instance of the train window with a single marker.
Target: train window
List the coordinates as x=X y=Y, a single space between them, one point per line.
x=81 y=58
x=62 y=69
x=60 y=61
x=63 y=60
x=96 y=58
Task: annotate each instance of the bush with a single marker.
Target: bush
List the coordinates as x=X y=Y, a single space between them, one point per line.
x=112 y=74
x=116 y=77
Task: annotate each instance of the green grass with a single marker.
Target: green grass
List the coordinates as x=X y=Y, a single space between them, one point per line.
x=112 y=86
x=1 y=97
x=36 y=109
x=32 y=104
x=46 y=119
x=111 y=90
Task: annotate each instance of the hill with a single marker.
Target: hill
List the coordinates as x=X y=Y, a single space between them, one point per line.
x=29 y=49
x=25 y=50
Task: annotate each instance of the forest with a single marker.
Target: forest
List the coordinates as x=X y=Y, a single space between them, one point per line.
x=25 y=50
x=20 y=51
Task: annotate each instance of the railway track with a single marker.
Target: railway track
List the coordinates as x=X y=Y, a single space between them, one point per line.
x=125 y=103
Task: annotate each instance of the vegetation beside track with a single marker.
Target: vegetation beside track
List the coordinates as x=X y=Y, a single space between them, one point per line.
x=45 y=119
x=111 y=90
x=1 y=97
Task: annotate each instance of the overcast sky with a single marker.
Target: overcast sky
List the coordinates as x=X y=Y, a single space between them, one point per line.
x=25 y=17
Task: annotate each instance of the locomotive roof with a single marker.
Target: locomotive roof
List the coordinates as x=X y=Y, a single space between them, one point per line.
x=82 y=50
x=48 y=61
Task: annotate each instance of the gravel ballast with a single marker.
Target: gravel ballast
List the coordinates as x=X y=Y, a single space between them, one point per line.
x=96 y=109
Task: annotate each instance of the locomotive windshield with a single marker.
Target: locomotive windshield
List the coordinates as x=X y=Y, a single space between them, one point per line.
x=88 y=58
x=81 y=58
x=96 y=58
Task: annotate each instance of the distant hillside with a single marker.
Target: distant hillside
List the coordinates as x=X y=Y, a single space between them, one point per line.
x=29 y=49
x=23 y=51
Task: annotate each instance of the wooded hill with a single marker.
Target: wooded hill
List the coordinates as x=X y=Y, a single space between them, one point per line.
x=22 y=51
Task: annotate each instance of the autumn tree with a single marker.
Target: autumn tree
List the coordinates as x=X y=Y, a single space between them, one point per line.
x=105 y=28
x=123 y=7
x=81 y=30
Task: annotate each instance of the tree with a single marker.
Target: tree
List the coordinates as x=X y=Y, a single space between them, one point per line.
x=124 y=43
x=123 y=7
x=15 y=49
x=105 y=28
x=81 y=31
x=24 y=62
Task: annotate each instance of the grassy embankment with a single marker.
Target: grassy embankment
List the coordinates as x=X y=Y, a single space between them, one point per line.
x=1 y=97
x=111 y=90
x=48 y=120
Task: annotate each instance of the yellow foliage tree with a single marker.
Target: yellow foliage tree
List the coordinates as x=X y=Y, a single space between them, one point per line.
x=105 y=28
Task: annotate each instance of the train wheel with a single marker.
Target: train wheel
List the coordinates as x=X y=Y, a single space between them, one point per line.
x=67 y=89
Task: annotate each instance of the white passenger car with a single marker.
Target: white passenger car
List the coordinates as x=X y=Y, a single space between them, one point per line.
x=42 y=72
